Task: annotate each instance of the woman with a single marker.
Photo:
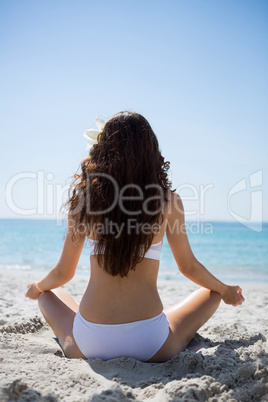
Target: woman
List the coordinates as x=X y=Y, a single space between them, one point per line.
x=123 y=203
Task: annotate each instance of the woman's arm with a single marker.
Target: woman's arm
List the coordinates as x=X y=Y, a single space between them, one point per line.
x=64 y=271
x=186 y=261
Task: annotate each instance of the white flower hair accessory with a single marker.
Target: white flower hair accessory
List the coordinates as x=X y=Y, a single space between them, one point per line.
x=92 y=133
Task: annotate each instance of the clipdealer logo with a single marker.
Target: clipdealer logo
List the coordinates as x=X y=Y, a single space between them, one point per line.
x=251 y=188
x=49 y=197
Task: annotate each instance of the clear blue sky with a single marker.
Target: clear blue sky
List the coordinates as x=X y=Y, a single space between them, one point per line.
x=196 y=69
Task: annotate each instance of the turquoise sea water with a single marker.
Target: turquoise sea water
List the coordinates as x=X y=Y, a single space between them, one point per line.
x=229 y=250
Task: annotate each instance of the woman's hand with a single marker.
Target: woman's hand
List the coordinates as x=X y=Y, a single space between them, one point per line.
x=33 y=291
x=232 y=295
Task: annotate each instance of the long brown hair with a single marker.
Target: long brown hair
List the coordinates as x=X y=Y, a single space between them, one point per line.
x=120 y=194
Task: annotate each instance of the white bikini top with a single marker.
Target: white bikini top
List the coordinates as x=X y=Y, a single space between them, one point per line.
x=153 y=252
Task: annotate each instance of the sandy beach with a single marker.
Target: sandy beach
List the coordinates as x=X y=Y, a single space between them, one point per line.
x=226 y=361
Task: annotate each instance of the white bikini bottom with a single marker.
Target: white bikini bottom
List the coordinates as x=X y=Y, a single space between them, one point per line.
x=139 y=340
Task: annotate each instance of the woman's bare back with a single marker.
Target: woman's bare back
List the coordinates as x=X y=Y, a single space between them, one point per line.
x=115 y=300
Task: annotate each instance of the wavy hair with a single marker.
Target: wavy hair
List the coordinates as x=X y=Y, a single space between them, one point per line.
x=119 y=196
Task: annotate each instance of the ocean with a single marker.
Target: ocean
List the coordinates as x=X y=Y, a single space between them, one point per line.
x=231 y=251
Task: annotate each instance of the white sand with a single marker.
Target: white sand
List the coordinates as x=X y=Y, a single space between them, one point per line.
x=226 y=361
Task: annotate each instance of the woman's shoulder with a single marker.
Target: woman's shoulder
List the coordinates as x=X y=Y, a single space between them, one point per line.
x=173 y=204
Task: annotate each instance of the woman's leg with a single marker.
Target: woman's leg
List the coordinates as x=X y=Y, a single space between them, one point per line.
x=185 y=319
x=59 y=309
